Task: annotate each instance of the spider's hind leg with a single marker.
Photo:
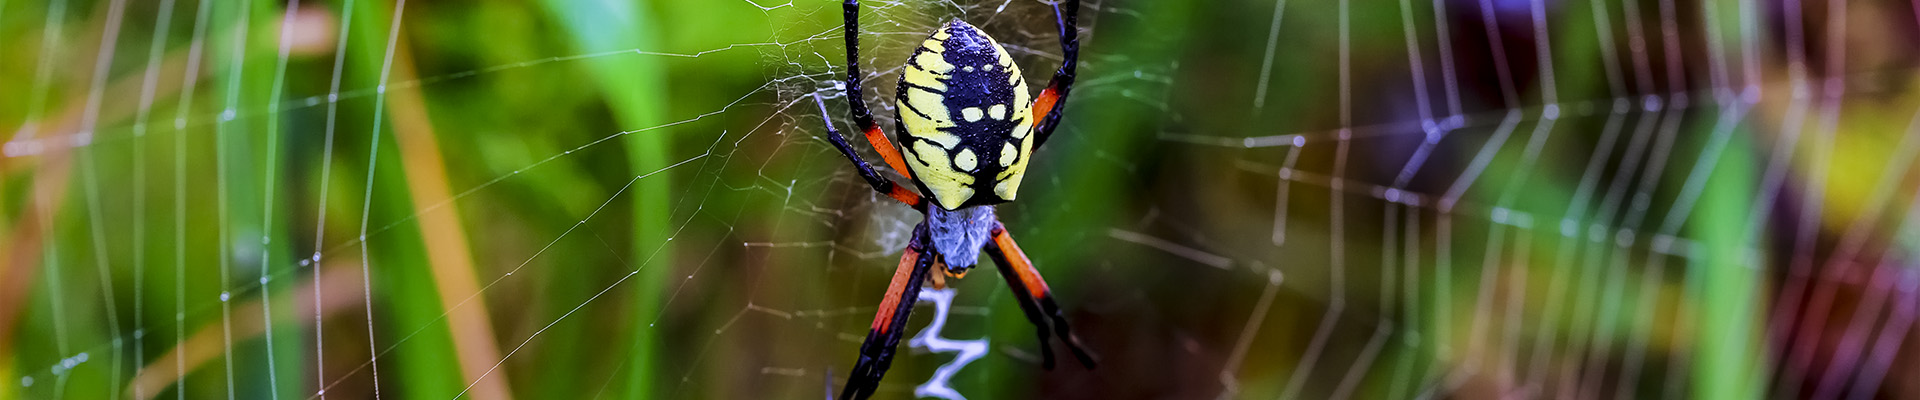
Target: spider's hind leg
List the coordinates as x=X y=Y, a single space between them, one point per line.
x=1036 y=300
x=876 y=353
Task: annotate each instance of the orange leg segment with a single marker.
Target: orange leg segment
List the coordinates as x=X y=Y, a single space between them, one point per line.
x=1043 y=105
x=891 y=154
x=883 y=321
x=903 y=194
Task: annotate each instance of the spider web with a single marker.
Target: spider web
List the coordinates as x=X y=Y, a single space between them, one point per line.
x=1419 y=199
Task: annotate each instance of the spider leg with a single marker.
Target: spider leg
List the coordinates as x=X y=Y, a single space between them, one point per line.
x=861 y=115
x=889 y=324
x=1035 y=298
x=1027 y=304
x=879 y=183
x=1052 y=101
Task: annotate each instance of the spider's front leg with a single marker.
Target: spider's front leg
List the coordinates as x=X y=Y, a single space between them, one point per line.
x=1052 y=102
x=889 y=324
x=855 y=97
x=1036 y=300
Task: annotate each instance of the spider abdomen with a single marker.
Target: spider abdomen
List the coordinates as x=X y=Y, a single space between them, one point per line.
x=965 y=118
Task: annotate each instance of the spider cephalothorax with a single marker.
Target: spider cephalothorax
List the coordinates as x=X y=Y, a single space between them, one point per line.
x=958 y=235
x=968 y=129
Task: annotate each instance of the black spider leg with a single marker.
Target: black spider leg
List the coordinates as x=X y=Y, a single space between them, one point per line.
x=879 y=183
x=1036 y=299
x=861 y=116
x=1065 y=332
x=1066 y=15
x=876 y=353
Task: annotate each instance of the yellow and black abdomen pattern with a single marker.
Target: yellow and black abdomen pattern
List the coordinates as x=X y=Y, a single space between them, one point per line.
x=965 y=118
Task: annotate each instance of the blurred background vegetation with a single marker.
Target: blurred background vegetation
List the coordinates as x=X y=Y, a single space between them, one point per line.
x=1247 y=199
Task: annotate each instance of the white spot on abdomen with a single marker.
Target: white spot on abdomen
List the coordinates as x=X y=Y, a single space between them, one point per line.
x=966 y=160
x=970 y=113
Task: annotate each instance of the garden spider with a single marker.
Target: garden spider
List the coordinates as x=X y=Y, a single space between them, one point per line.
x=965 y=127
